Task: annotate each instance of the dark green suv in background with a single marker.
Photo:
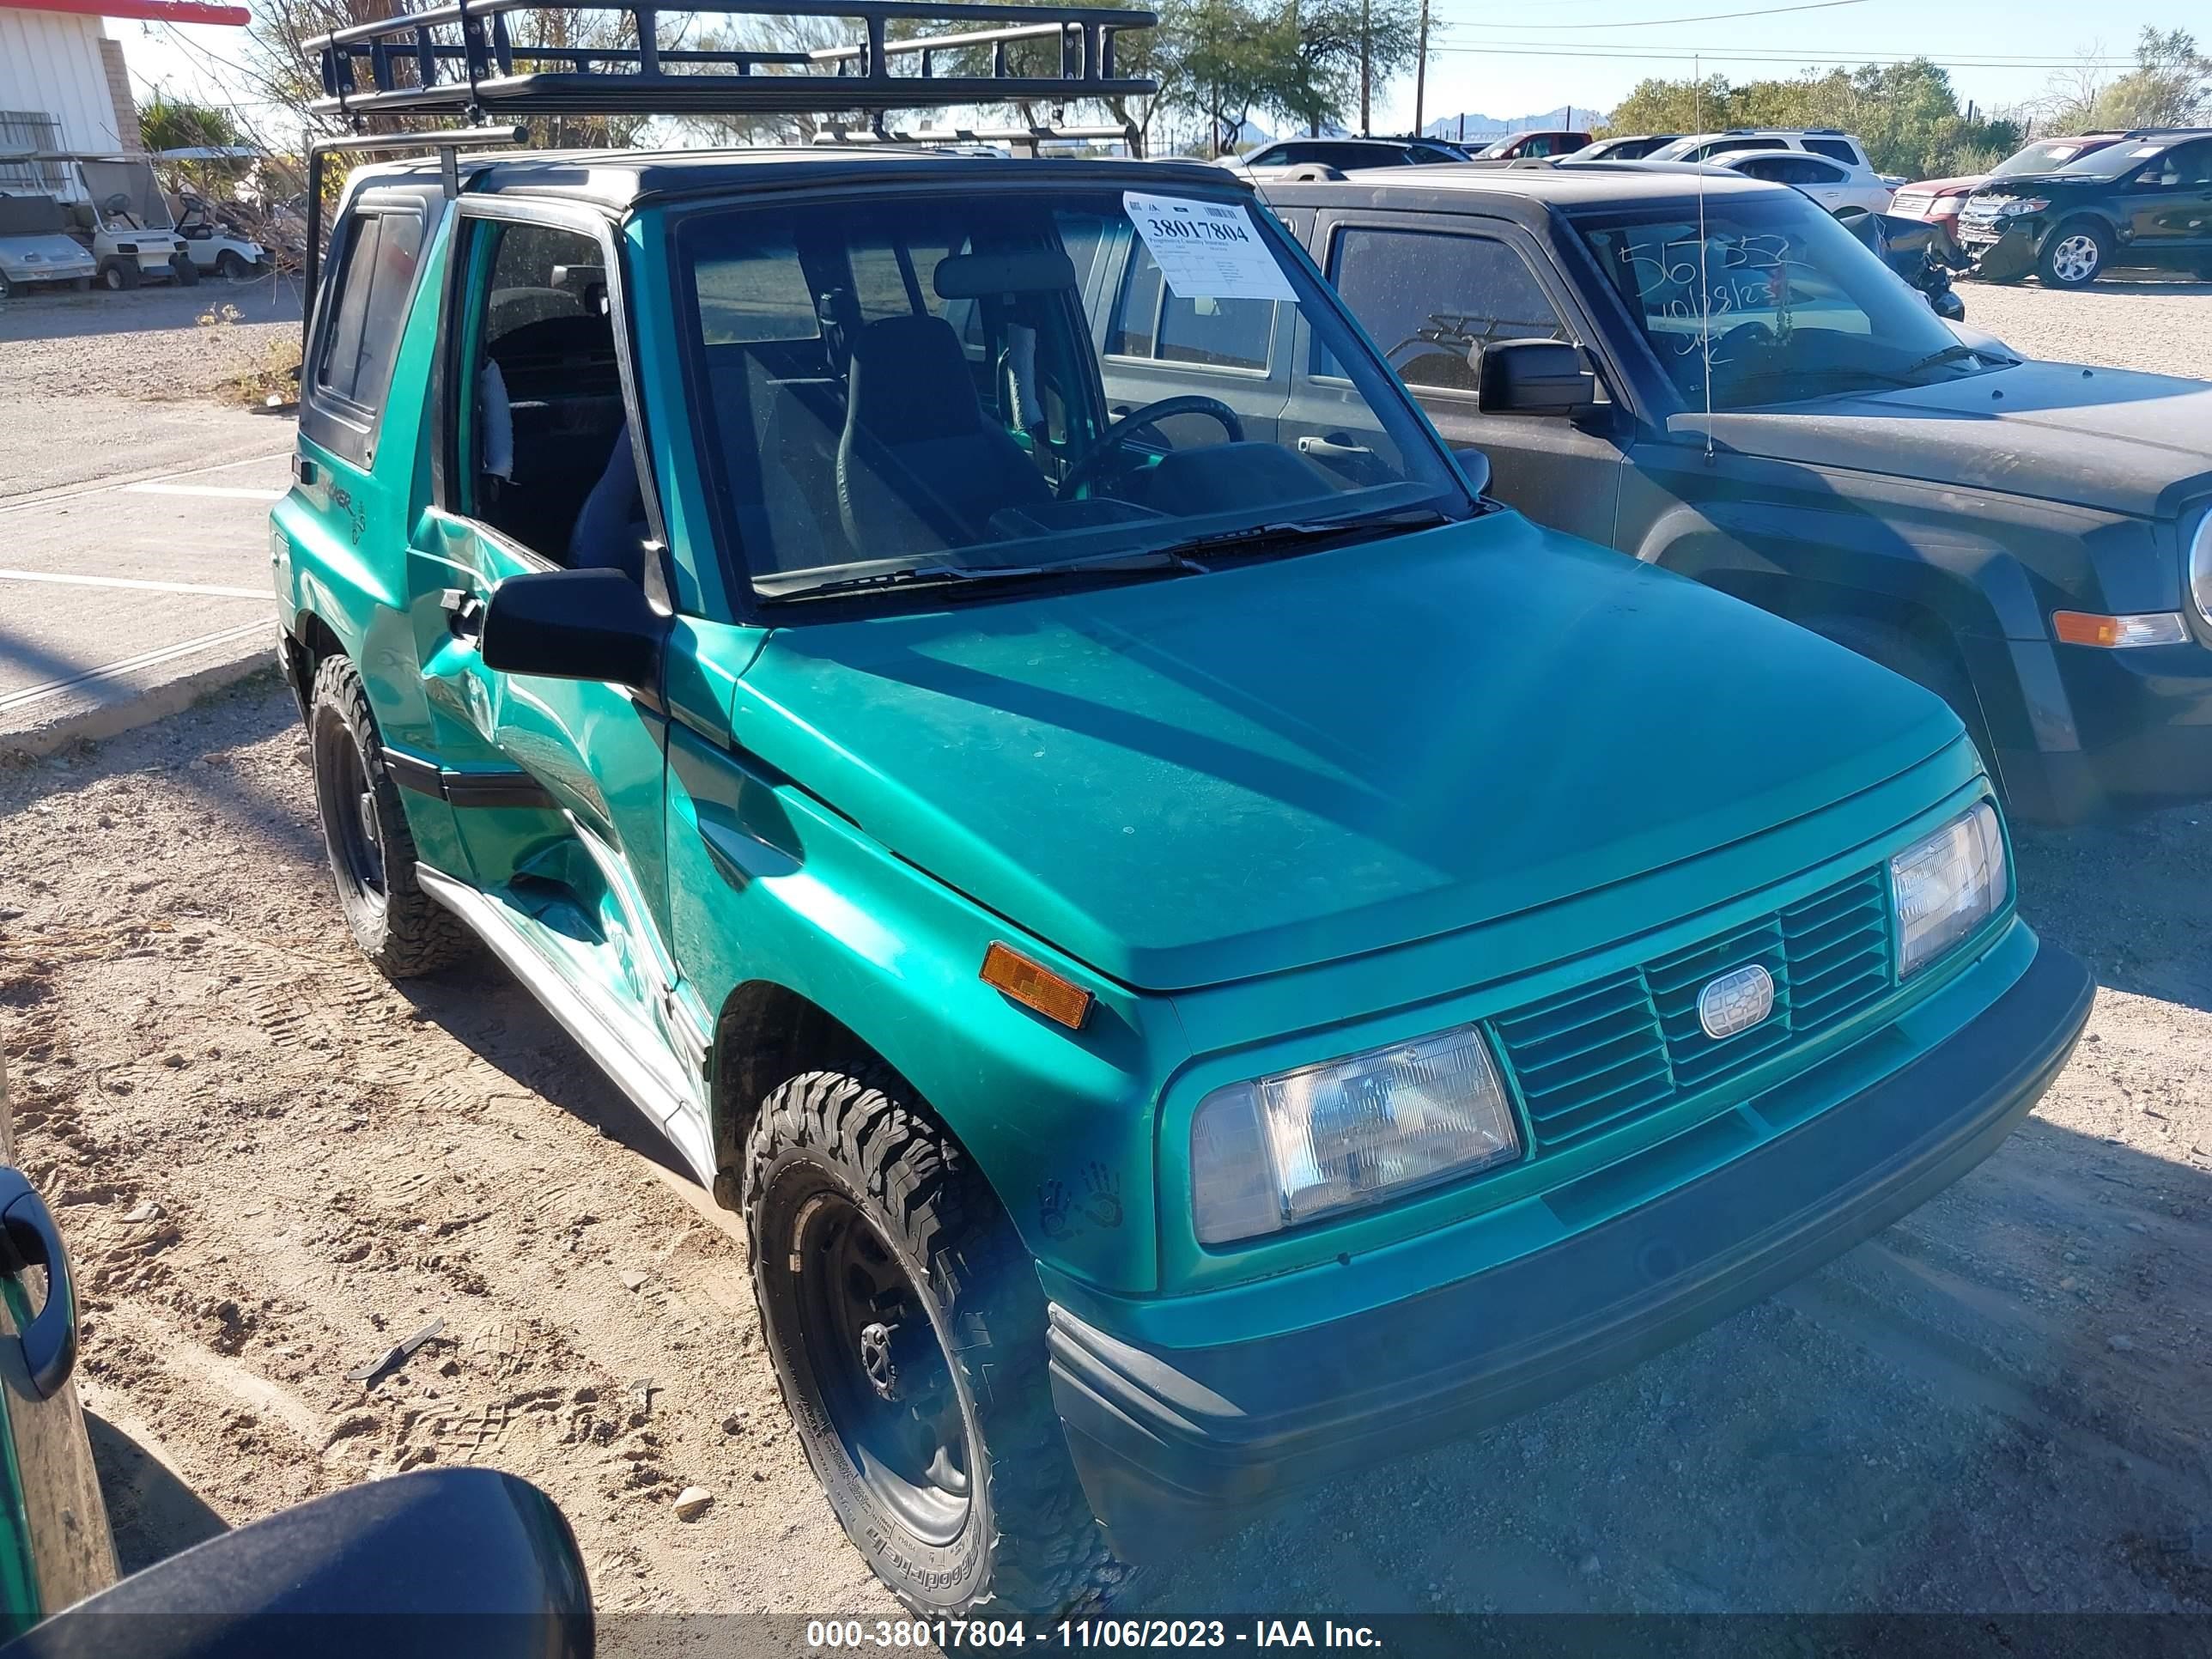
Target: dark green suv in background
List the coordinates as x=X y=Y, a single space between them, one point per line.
x=2144 y=202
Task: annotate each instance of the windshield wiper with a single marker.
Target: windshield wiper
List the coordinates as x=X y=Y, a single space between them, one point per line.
x=1291 y=531
x=922 y=576
x=1953 y=354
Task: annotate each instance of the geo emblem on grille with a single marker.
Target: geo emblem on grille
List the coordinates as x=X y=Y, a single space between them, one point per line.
x=1737 y=1001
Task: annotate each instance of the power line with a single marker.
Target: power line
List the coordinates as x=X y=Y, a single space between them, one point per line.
x=1667 y=23
x=1687 y=55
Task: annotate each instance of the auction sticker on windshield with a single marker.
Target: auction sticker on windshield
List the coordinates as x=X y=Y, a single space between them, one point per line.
x=1207 y=250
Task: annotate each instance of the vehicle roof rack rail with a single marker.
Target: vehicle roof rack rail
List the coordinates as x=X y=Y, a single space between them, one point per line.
x=448 y=145
x=461 y=59
x=838 y=136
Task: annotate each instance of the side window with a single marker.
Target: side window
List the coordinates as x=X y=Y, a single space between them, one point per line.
x=1730 y=146
x=1836 y=149
x=1771 y=169
x=1150 y=320
x=1428 y=298
x=375 y=277
x=2189 y=165
x=550 y=466
x=758 y=295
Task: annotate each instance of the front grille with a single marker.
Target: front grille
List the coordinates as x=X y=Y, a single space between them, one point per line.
x=1910 y=206
x=1618 y=1048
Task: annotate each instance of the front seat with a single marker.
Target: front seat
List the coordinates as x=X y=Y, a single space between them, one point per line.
x=610 y=530
x=920 y=464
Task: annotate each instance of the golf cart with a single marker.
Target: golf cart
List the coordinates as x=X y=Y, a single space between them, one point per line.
x=35 y=245
x=214 y=245
x=218 y=236
x=127 y=224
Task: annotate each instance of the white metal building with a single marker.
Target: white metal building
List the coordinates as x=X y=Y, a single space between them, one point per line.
x=63 y=86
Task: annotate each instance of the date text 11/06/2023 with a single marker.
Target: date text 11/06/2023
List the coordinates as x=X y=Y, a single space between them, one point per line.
x=949 y=1634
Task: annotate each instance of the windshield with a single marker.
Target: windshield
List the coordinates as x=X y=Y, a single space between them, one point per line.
x=2111 y=160
x=2049 y=156
x=1799 y=308
x=1019 y=380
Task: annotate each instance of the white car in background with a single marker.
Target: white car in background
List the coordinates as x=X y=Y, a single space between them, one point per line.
x=1836 y=187
x=1855 y=182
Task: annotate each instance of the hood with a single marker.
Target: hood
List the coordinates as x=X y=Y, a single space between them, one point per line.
x=54 y=252
x=1204 y=778
x=2030 y=184
x=2116 y=442
x=1958 y=187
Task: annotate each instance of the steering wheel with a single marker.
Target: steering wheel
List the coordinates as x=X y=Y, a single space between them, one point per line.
x=1748 y=335
x=1137 y=420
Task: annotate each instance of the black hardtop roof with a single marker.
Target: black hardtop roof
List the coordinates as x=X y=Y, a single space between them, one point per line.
x=616 y=178
x=1453 y=187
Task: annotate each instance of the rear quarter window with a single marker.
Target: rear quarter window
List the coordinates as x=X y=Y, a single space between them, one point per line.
x=376 y=278
x=361 y=311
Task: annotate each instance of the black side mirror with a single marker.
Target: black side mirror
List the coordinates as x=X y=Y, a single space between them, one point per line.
x=574 y=625
x=419 y=1566
x=1532 y=377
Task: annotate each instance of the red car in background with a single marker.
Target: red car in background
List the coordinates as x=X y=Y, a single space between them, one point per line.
x=1937 y=201
x=1528 y=146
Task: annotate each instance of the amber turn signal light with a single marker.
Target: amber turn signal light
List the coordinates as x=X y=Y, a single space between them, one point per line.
x=2086 y=628
x=1035 y=986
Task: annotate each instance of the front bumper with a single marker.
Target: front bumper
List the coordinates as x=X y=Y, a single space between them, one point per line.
x=2007 y=256
x=2115 y=733
x=1176 y=1448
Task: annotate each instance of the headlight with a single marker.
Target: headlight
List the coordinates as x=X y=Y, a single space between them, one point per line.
x=1281 y=1150
x=1946 y=885
x=1946 y=207
x=2200 y=566
x=2022 y=204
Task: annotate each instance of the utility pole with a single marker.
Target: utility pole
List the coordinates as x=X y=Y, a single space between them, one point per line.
x=1421 y=69
x=1366 y=79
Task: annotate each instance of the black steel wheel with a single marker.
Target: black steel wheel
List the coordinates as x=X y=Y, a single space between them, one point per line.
x=398 y=926
x=885 y=1383
x=874 y=1240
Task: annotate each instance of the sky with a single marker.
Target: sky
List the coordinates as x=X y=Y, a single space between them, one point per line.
x=1502 y=61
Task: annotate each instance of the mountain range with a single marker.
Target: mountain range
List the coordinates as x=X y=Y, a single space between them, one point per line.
x=1569 y=117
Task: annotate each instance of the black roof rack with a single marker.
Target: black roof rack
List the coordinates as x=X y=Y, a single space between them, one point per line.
x=460 y=60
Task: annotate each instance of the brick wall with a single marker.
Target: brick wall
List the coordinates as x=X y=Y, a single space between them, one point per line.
x=118 y=91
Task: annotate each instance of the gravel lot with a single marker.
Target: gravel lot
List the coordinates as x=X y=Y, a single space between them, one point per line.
x=272 y=1165
x=2164 y=327
x=148 y=343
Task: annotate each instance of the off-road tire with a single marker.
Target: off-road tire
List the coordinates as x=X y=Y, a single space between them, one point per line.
x=1030 y=1544
x=398 y=926
x=232 y=266
x=2052 y=266
x=183 y=271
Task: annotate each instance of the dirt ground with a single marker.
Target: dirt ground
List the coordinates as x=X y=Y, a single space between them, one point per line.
x=272 y=1166
x=2132 y=321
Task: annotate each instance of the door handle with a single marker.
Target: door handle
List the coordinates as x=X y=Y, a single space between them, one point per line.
x=28 y=1237
x=1332 y=446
